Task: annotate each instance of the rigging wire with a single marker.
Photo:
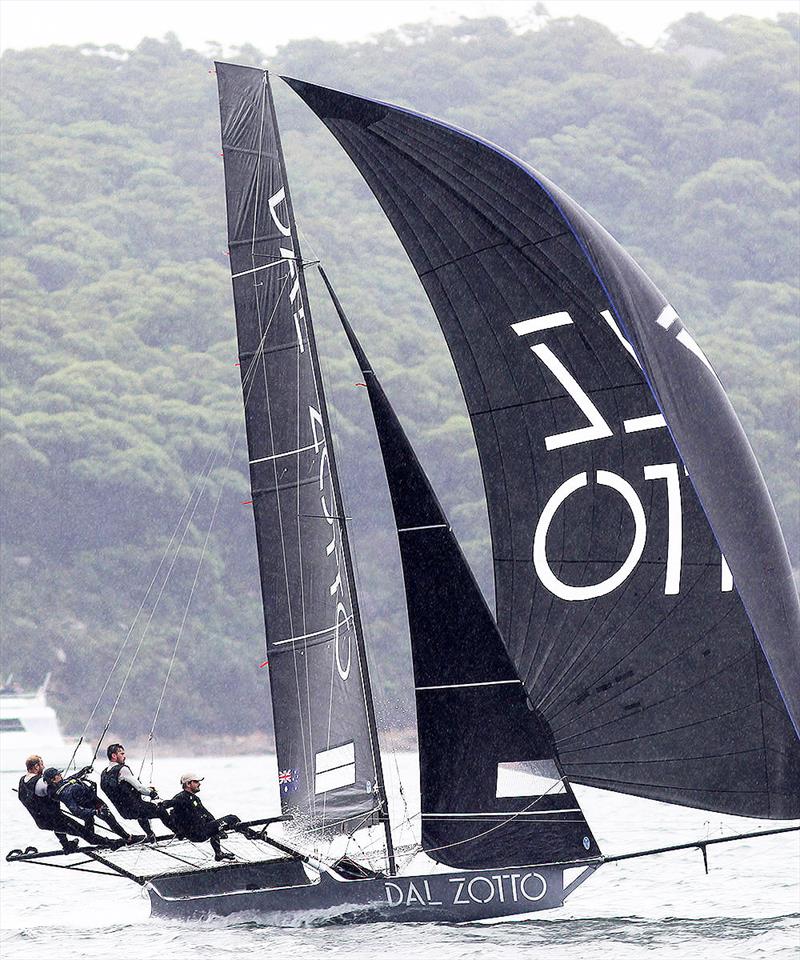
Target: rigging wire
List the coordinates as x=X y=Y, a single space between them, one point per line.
x=498 y=826
x=188 y=604
x=144 y=633
x=136 y=617
x=308 y=245
x=376 y=670
x=351 y=579
x=247 y=383
x=200 y=484
x=517 y=813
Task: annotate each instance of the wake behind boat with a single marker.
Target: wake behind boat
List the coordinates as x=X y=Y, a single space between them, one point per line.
x=637 y=644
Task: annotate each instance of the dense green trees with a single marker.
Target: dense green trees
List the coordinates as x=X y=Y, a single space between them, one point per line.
x=118 y=359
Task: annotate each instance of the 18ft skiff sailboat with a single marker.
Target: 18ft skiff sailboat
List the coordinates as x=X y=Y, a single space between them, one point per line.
x=646 y=631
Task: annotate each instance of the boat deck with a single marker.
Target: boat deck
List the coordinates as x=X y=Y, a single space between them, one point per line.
x=173 y=856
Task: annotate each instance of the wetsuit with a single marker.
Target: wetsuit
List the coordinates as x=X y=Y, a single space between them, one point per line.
x=47 y=814
x=127 y=794
x=191 y=820
x=80 y=798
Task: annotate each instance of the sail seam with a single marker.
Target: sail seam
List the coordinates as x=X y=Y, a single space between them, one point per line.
x=471 y=253
x=290 y=484
x=549 y=399
x=366 y=160
x=494 y=828
x=256 y=239
x=520 y=248
x=628 y=691
x=588 y=780
x=559 y=681
x=479 y=203
x=426 y=155
x=293 y=345
x=761 y=713
x=248 y=150
x=655 y=733
x=705 y=756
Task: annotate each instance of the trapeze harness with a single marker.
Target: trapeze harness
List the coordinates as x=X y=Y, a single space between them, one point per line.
x=122 y=794
x=42 y=809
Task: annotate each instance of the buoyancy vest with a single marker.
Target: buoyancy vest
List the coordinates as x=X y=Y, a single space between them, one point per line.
x=42 y=809
x=119 y=792
x=189 y=817
x=78 y=795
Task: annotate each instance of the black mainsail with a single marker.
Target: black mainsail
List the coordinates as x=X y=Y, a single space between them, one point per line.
x=328 y=757
x=491 y=788
x=625 y=505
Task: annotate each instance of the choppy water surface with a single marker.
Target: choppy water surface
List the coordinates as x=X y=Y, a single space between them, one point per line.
x=747 y=907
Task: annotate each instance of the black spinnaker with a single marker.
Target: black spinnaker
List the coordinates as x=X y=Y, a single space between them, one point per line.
x=491 y=789
x=665 y=666
x=328 y=759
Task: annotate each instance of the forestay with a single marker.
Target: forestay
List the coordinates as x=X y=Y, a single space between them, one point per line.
x=491 y=788
x=608 y=452
x=327 y=754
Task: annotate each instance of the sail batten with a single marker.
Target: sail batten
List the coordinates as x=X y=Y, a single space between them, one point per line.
x=631 y=529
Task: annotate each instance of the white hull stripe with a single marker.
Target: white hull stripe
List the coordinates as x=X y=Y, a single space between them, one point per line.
x=289 y=453
x=461 y=686
x=317 y=633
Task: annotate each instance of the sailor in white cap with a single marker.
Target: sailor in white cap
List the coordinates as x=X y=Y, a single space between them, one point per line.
x=192 y=821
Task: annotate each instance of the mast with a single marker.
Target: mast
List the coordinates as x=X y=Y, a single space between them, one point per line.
x=341 y=518
x=330 y=776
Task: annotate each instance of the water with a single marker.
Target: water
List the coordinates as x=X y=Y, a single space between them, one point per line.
x=664 y=907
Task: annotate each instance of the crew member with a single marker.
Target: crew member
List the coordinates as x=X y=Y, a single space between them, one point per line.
x=192 y=821
x=79 y=796
x=127 y=794
x=45 y=810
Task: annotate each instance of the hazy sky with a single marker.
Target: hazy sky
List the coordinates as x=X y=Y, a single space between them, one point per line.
x=269 y=23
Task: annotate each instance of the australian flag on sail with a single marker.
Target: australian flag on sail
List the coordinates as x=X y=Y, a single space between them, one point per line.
x=288 y=780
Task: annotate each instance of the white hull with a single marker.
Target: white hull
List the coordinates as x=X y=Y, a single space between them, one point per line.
x=28 y=726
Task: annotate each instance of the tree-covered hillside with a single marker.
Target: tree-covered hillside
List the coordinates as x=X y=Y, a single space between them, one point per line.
x=119 y=384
